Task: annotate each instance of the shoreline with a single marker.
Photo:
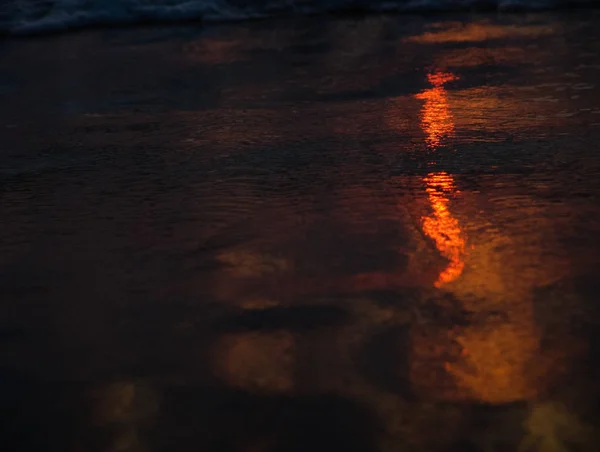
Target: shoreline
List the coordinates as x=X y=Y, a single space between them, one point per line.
x=430 y=13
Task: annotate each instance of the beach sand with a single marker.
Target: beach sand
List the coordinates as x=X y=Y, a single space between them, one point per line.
x=373 y=234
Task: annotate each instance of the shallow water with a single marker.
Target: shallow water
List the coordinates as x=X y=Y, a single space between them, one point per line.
x=370 y=234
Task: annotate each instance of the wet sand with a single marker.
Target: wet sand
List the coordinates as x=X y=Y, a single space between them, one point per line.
x=373 y=234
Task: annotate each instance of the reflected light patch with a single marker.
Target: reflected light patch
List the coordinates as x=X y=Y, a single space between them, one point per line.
x=552 y=426
x=119 y=412
x=494 y=366
x=443 y=228
x=437 y=123
x=256 y=362
x=477 y=32
x=496 y=356
x=436 y=120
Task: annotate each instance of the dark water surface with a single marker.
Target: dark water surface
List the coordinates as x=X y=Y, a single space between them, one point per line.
x=372 y=234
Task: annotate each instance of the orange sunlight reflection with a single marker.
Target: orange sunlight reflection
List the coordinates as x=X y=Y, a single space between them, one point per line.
x=479 y=32
x=494 y=359
x=441 y=226
x=437 y=121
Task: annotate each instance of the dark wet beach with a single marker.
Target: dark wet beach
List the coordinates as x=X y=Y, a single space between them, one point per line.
x=363 y=234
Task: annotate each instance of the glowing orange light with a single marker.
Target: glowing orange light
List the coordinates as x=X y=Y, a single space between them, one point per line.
x=437 y=121
x=438 y=79
x=443 y=228
x=498 y=356
x=498 y=367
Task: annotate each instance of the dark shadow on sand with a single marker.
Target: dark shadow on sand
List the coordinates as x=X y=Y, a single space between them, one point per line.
x=300 y=318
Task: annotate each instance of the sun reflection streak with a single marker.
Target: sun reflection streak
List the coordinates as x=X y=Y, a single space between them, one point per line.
x=490 y=365
x=496 y=356
x=486 y=361
x=437 y=121
x=441 y=226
